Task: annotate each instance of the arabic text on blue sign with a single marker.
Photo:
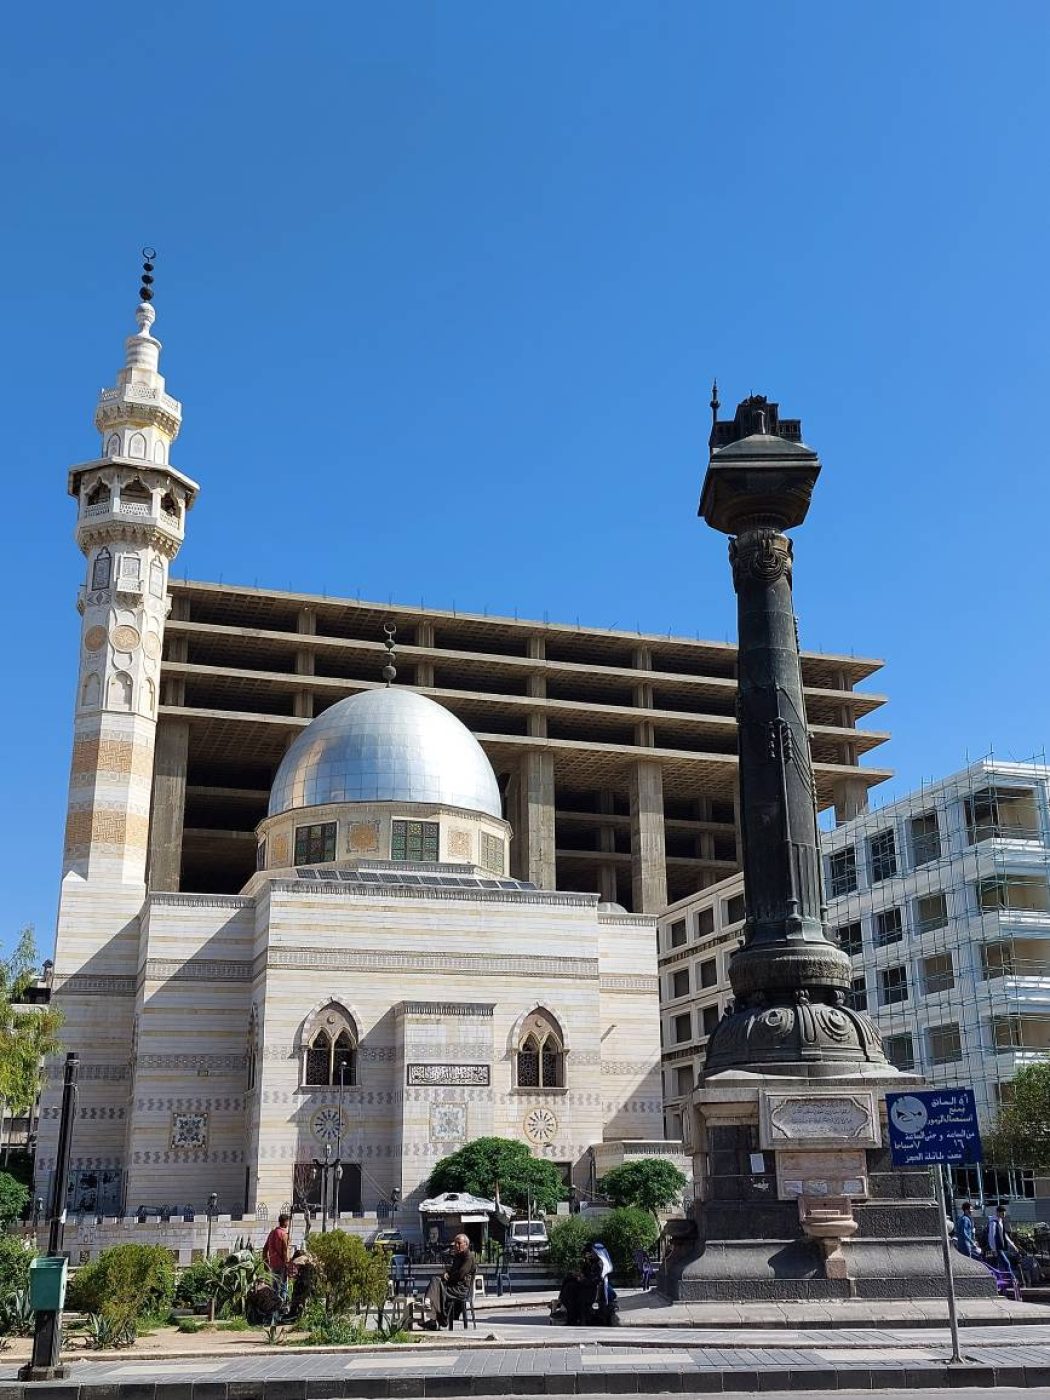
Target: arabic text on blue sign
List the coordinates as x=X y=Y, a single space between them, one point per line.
x=933 y=1125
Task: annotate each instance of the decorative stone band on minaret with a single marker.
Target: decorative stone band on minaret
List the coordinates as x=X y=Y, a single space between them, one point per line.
x=789 y=979
x=132 y=507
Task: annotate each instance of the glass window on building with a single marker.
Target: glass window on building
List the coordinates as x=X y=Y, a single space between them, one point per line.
x=710 y=1016
x=676 y=934
x=414 y=841
x=938 y=973
x=705 y=922
x=842 y=872
x=900 y=1051
x=733 y=910
x=893 y=985
x=850 y=938
x=314 y=844
x=1007 y=1032
x=931 y=911
x=889 y=927
x=709 y=973
x=683 y=1077
x=882 y=856
x=997 y=960
x=857 y=996
x=944 y=1044
x=680 y=982
x=925 y=839
x=683 y=1028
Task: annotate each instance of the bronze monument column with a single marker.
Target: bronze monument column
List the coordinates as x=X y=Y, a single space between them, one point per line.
x=790 y=979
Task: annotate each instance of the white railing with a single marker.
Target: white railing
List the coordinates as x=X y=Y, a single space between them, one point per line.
x=137 y=509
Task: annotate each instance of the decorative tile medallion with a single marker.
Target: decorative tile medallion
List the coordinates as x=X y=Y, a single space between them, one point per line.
x=125 y=637
x=540 y=1125
x=448 y=1074
x=94 y=639
x=363 y=837
x=153 y=645
x=328 y=1124
x=448 y=1122
x=189 y=1131
x=459 y=844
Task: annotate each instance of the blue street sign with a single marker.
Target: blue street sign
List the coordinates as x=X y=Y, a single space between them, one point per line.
x=933 y=1125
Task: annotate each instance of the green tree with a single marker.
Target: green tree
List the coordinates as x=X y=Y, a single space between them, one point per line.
x=1021 y=1135
x=622 y=1231
x=650 y=1183
x=489 y=1163
x=14 y=1197
x=27 y=1033
x=353 y=1278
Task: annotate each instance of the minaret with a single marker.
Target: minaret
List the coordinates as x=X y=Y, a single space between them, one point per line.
x=131 y=514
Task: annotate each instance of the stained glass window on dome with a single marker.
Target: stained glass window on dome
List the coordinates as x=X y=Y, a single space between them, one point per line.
x=414 y=841
x=314 y=844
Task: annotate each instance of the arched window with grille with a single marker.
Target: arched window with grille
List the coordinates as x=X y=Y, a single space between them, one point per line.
x=540 y=1056
x=329 y=1049
x=102 y=569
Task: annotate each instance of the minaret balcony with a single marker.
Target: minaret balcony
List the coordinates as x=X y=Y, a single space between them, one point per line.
x=131 y=587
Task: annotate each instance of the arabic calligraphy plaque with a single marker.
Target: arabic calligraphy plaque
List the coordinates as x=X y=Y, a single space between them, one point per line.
x=815 y=1119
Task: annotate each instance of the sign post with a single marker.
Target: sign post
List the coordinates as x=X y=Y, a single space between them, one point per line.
x=930 y=1127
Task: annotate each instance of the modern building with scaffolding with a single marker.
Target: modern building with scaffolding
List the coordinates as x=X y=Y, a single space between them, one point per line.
x=942 y=899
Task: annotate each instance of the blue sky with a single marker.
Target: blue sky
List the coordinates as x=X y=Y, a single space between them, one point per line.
x=442 y=289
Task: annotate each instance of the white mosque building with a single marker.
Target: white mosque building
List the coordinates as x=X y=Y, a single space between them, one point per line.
x=378 y=994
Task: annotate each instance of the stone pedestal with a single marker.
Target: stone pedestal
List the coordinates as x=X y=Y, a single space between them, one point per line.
x=797 y=1200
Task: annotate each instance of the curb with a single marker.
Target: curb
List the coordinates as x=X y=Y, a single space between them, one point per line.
x=593 y=1382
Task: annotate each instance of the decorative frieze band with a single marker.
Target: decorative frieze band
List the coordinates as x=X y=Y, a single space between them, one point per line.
x=55 y=1072
x=627 y=983
x=445 y=1008
x=442 y=1074
x=210 y=1064
x=632 y=1067
x=473 y=964
x=95 y=985
x=196 y=970
x=328 y=887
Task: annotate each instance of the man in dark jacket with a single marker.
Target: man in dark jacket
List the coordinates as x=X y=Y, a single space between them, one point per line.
x=454 y=1285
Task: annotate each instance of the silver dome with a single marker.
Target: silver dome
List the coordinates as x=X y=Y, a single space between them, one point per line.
x=386 y=745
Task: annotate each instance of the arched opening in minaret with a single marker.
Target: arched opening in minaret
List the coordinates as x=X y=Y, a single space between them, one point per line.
x=135 y=494
x=99 y=494
x=137 y=445
x=170 y=504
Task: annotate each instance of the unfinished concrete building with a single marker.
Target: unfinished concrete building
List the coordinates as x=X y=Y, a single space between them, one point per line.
x=615 y=751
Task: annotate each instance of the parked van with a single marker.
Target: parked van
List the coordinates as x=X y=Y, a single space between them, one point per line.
x=527 y=1238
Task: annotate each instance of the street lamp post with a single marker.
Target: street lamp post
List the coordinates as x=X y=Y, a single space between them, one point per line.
x=213 y=1201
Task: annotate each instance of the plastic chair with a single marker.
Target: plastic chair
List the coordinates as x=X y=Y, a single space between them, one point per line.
x=464 y=1308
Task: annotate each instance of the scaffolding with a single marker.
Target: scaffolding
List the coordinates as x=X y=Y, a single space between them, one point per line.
x=942 y=899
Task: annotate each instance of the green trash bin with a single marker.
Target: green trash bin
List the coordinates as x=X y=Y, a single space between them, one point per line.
x=47 y=1283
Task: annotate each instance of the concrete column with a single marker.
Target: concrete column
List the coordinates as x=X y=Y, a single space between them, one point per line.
x=536 y=820
x=537 y=686
x=424 y=637
x=642 y=696
x=303 y=700
x=607 y=842
x=851 y=799
x=169 y=803
x=648 y=854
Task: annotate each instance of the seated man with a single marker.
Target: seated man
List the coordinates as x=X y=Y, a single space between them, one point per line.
x=453 y=1286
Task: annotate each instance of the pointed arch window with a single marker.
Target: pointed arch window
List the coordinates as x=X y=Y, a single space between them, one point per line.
x=102 y=569
x=330 y=1050
x=540 y=1059
x=99 y=494
x=253 y=1050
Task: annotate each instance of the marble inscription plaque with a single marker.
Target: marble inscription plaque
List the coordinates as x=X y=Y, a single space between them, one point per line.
x=834 y=1173
x=448 y=1074
x=819 y=1120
